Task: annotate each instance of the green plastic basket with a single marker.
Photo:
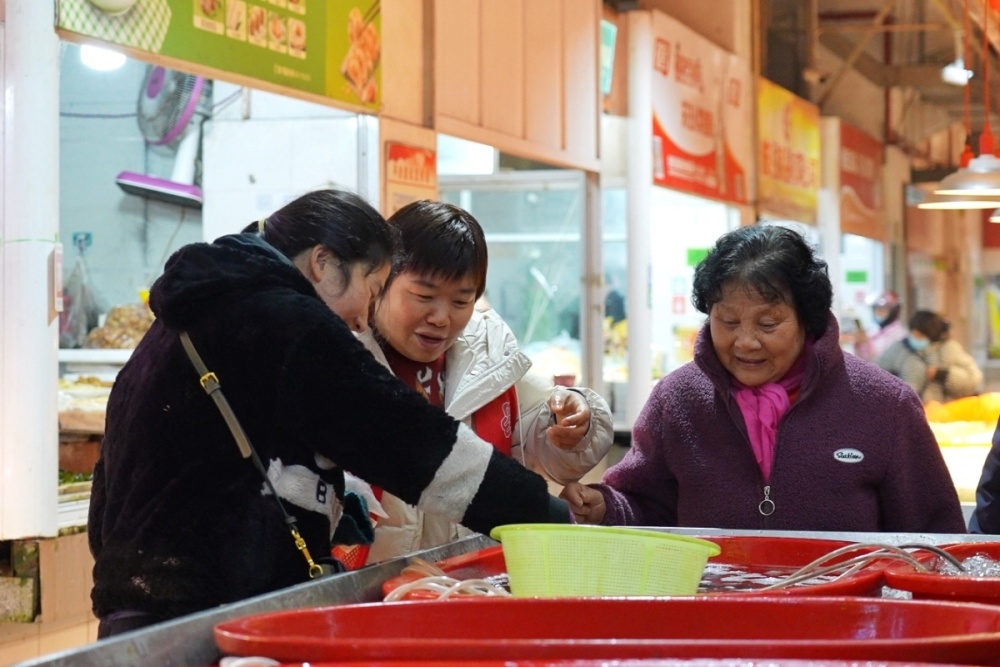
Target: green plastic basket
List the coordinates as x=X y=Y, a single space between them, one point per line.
x=553 y=560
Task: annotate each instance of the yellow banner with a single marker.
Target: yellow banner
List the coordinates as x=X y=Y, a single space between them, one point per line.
x=787 y=153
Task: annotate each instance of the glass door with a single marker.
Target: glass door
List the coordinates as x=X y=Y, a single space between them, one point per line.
x=534 y=223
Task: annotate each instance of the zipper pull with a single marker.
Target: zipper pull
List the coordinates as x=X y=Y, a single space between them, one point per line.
x=766 y=506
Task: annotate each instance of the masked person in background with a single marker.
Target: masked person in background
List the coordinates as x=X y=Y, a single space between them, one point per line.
x=179 y=521
x=886 y=309
x=929 y=360
x=773 y=426
x=467 y=363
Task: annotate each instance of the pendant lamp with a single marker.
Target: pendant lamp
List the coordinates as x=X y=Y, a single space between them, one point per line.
x=934 y=201
x=978 y=180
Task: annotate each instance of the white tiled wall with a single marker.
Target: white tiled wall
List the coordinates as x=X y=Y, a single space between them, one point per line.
x=131 y=235
x=253 y=168
x=259 y=151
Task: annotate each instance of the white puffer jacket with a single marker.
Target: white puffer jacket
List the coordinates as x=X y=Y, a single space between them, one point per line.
x=482 y=364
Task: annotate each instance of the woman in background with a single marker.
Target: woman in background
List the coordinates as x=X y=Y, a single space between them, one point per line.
x=772 y=426
x=886 y=308
x=929 y=360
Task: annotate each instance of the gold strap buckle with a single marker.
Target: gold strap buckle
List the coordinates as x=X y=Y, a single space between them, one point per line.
x=314 y=569
x=208 y=378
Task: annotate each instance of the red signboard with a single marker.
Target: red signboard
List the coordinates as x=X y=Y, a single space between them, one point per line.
x=860 y=183
x=702 y=115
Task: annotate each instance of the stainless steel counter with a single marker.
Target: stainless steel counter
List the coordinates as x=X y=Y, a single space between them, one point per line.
x=189 y=642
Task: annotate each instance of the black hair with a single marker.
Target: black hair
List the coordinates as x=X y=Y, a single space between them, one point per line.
x=439 y=239
x=775 y=262
x=340 y=221
x=930 y=324
x=891 y=316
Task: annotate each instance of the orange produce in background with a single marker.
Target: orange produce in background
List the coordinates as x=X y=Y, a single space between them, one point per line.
x=981 y=408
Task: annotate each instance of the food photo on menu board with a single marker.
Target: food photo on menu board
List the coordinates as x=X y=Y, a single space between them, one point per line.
x=296 y=38
x=277 y=32
x=257 y=25
x=236 y=19
x=324 y=48
x=208 y=15
x=363 y=53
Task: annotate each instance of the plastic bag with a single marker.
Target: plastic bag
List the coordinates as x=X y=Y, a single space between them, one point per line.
x=80 y=308
x=123 y=328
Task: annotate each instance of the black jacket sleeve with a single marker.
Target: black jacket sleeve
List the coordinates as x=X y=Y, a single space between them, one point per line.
x=351 y=409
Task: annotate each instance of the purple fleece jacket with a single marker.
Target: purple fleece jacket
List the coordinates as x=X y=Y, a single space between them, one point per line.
x=853 y=453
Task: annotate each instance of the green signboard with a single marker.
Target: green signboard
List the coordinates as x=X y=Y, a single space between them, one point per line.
x=858 y=276
x=695 y=255
x=326 y=48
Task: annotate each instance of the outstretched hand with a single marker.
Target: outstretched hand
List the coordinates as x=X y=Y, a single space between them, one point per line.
x=586 y=503
x=572 y=416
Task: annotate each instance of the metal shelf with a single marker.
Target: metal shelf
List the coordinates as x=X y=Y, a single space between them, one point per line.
x=101 y=357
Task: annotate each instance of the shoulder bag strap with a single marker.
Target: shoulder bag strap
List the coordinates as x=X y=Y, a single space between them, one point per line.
x=210 y=383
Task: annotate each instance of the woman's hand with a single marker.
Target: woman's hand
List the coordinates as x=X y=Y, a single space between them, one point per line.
x=586 y=503
x=572 y=415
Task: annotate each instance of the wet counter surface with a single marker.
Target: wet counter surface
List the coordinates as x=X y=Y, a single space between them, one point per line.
x=189 y=641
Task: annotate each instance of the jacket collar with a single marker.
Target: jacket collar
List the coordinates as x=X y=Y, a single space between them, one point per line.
x=483 y=362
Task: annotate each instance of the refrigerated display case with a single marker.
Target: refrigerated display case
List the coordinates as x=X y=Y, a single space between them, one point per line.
x=534 y=226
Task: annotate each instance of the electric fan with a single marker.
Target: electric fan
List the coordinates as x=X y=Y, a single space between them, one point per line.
x=171 y=108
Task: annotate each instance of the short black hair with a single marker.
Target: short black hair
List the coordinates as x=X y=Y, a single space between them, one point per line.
x=775 y=262
x=930 y=324
x=439 y=239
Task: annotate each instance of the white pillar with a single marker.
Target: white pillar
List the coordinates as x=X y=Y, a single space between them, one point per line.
x=29 y=225
x=639 y=171
x=592 y=292
x=828 y=206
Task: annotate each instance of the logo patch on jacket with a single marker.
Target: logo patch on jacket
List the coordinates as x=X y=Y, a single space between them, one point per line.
x=849 y=455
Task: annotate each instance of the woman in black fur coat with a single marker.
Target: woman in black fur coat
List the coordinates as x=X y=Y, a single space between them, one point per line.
x=179 y=520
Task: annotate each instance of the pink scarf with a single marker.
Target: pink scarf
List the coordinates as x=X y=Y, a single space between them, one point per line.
x=763 y=408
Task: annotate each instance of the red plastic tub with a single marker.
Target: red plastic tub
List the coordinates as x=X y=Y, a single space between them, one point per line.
x=936 y=586
x=777 y=556
x=781 y=556
x=639 y=662
x=808 y=628
x=487 y=562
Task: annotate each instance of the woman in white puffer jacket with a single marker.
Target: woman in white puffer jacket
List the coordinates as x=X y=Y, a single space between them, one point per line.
x=468 y=363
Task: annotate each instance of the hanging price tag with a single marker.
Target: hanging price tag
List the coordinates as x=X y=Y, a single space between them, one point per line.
x=56 y=281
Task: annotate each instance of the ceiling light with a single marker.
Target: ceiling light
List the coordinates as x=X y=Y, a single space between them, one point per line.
x=980 y=177
x=944 y=202
x=103 y=60
x=955 y=73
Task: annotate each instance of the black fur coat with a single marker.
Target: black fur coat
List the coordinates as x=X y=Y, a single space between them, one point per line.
x=178 y=519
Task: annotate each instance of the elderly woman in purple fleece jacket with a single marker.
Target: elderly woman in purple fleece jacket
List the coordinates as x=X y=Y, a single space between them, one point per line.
x=772 y=426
